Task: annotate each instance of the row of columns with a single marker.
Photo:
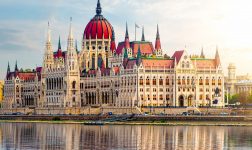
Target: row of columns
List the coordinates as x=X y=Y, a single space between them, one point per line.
x=54 y=83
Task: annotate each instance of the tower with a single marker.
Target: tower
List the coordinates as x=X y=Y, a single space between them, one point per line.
x=127 y=47
x=232 y=78
x=72 y=98
x=48 y=56
x=158 y=49
x=98 y=42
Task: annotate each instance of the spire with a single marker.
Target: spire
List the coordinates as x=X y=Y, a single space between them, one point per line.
x=217 y=57
x=48 y=33
x=127 y=33
x=76 y=46
x=8 y=68
x=125 y=55
x=98 y=8
x=157 y=36
x=202 y=55
x=16 y=66
x=126 y=42
x=143 y=37
x=158 y=42
x=59 y=44
x=112 y=43
x=138 y=55
x=70 y=36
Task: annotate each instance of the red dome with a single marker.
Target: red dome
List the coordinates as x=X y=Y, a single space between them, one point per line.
x=98 y=26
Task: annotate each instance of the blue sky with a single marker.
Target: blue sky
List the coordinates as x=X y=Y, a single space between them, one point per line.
x=194 y=23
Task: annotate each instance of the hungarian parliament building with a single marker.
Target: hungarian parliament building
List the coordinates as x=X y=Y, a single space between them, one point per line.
x=109 y=74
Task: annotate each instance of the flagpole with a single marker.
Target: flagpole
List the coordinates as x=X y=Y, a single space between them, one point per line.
x=135 y=31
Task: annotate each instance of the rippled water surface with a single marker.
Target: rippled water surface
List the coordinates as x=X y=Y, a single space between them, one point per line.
x=78 y=137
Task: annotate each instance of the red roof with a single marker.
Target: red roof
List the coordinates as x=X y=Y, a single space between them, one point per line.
x=98 y=26
x=146 y=47
x=205 y=63
x=167 y=63
x=178 y=55
x=116 y=70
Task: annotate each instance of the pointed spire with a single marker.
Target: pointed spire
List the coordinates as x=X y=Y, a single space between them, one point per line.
x=127 y=33
x=139 y=54
x=125 y=55
x=157 y=36
x=8 y=68
x=59 y=44
x=16 y=66
x=158 y=42
x=76 y=46
x=202 y=55
x=112 y=43
x=143 y=37
x=126 y=42
x=98 y=8
x=48 y=33
x=217 y=57
x=70 y=36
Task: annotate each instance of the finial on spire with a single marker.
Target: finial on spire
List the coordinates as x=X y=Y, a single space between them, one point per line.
x=202 y=55
x=98 y=8
x=138 y=55
x=16 y=66
x=59 y=44
x=158 y=42
x=157 y=36
x=8 y=68
x=70 y=29
x=217 y=57
x=127 y=33
x=143 y=37
x=48 y=33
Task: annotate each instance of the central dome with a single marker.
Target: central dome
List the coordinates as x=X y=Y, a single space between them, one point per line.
x=98 y=26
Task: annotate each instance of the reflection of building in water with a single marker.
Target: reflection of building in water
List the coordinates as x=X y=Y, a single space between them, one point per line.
x=78 y=137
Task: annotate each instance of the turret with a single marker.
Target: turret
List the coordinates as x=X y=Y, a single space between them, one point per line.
x=202 y=55
x=217 y=58
x=139 y=55
x=48 y=57
x=16 y=67
x=8 y=69
x=143 y=37
x=127 y=43
x=113 y=44
x=158 y=49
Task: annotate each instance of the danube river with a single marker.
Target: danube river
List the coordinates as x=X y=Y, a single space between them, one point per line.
x=78 y=137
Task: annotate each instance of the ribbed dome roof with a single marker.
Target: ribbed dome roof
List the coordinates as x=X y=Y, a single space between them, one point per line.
x=98 y=26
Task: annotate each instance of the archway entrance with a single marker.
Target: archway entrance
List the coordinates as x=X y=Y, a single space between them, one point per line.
x=189 y=102
x=181 y=101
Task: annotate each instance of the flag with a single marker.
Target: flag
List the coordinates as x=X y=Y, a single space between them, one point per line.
x=137 y=26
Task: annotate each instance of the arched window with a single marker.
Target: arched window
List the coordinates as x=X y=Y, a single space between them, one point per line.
x=154 y=81
x=187 y=64
x=183 y=81
x=179 y=81
x=219 y=81
x=207 y=81
x=200 y=81
x=74 y=84
x=93 y=61
x=100 y=61
x=213 y=81
x=161 y=81
x=188 y=80
x=147 y=81
x=167 y=81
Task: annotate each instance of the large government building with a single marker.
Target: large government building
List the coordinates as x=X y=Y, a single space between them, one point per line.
x=106 y=74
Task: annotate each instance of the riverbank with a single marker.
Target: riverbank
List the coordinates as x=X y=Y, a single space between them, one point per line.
x=155 y=123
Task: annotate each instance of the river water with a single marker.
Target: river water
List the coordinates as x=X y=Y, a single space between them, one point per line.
x=78 y=137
